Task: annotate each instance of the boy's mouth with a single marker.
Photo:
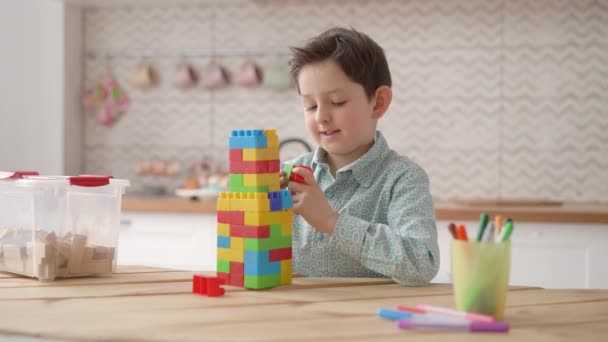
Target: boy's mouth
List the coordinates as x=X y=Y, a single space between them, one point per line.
x=330 y=132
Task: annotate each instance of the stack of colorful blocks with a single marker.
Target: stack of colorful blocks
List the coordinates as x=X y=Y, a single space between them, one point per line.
x=254 y=219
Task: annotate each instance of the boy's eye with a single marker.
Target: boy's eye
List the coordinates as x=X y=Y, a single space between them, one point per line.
x=308 y=109
x=339 y=103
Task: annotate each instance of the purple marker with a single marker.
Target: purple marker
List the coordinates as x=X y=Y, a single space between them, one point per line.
x=446 y=325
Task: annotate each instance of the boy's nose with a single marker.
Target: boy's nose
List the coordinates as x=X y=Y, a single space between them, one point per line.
x=323 y=115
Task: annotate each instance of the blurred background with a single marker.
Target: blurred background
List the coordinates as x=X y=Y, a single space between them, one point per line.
x=496 y=100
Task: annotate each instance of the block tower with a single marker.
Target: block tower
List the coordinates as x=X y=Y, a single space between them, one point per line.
x=254 y=219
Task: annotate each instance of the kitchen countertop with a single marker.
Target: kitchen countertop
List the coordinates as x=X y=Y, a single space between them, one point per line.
x=152 y=304
x=460 y=210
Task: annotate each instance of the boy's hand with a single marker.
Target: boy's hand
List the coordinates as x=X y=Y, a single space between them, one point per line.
x=310 y=202
x=282 y=180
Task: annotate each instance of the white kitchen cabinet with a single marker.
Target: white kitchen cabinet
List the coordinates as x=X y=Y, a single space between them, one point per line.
x=549 y=255
x=172 y=240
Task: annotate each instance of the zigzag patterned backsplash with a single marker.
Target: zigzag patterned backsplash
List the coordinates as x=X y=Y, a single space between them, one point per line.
x=495 y=99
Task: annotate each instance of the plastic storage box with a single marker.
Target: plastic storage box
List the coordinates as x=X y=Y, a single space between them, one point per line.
x=54 y=227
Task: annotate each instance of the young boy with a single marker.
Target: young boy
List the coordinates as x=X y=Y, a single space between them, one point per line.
x=366 y=211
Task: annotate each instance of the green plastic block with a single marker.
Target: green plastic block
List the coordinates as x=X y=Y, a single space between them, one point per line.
x=275 y=230
x=223 y=266
x=280 y=242
x=235 y=179
x=262 y=282
x=252 y=244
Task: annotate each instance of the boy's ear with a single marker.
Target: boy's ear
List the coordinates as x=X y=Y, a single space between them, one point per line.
x=382 y=100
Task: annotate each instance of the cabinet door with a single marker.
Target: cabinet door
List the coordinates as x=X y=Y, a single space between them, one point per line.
x=181 y=241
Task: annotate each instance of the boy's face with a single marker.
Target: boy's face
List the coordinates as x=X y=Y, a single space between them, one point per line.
x=337 y=111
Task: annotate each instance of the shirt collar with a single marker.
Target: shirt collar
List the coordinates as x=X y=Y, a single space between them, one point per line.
x=364 y=168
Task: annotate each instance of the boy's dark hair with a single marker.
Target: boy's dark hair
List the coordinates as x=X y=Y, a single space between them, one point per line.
x=360 y=57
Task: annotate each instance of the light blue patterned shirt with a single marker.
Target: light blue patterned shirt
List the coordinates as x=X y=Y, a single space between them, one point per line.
x=386 y=226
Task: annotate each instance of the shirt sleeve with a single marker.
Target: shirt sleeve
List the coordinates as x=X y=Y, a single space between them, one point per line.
x=406 y=248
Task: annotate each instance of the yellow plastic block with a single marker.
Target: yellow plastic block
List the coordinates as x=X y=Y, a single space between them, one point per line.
x=223 y=254
x=257 y=154
x=230 y=254
x=272 y=138
x=286 y=272
x=286 y=229
x=259 y=179
x=237 y=255
x=223 y=201
x=262 y=218
x=236 y=203
x=250 y=201
x=223 y=229
x=287 y=217
x=237 y=243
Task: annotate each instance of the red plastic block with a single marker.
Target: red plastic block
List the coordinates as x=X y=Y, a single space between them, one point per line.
x=238 y=230
x=213 y=287
x=297 y=178
x=223 y=216
x=236 y=154
x=237 y=268
x=237 y=280
x=231 y=217
x=199 y=284
x=279 y=254
x=274 y=166
x=209 y=286
x=237 y=217
x=225 y=276
x=248 y=166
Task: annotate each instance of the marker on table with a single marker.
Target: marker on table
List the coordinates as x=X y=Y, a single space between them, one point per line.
x=461 y=232
x=498 y=226
x=488 y=235
x=452 y=229
x=470 y=326
x=483 y=221
x=410 y=309
x=393 y=314
x=475 y=317
x=505 y=235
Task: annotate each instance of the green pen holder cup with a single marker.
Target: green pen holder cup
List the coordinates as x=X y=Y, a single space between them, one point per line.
x=480 y=276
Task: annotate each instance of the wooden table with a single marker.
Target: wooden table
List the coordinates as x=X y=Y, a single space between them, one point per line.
x=148 y=304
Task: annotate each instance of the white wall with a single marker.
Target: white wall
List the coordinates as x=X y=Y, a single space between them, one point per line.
x=32 y=85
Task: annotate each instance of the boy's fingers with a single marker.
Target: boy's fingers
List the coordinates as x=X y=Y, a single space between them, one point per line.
x=297 y=187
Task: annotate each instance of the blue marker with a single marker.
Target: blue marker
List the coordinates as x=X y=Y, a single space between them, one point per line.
x=393 y=314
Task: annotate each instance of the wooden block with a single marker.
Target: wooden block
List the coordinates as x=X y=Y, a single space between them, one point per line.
x=88 y=254
x=47 y=270
x=103 y=253
x=62 y=272
x=77 y=250
x=63 y=254
x=95 y=267
x=15 y=252
x=44 y=251
x=29 y=268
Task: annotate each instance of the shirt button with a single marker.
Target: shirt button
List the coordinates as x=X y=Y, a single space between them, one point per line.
x=319 y=236
x=329 y=194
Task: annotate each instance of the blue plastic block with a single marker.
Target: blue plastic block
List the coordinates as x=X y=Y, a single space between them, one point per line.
x=248 y=139
x=275 y=201
x=223 y=241
x=257 y=264
x=286 y=199
x=256 y=257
